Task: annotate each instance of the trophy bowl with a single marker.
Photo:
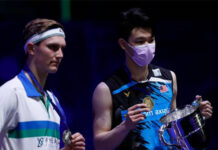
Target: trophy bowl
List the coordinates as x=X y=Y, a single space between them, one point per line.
x=185 y=127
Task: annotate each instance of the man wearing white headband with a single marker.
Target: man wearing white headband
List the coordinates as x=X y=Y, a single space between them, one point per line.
x=29 y=115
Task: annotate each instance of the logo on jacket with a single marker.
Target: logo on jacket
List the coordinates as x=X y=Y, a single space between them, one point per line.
x=149 y=102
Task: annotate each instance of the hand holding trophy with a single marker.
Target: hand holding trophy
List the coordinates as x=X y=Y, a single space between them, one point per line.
x=186 y=126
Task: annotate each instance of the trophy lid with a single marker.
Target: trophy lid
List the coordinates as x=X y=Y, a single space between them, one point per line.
x=178 y=114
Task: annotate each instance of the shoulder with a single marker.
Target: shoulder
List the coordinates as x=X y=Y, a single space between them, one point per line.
x=13 y=83
x=101 y=90
x=117 y=79
x=174 y=81
x=10 y=87
x=102 y=96
x=173 y=75
x=10 y=95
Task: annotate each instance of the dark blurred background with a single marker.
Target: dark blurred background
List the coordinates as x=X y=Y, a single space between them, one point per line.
x=186 y=37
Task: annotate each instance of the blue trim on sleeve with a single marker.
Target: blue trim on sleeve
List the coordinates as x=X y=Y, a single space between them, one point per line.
x=122 y=88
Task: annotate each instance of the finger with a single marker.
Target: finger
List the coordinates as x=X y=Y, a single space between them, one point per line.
x=207 y=107
x=206 y=114
x=137 y=111
x=137 y=106
x=140 y=110
x=138 y=119
x=207 y=110
x=205 y=103
x=75 y=135
x=78 y=138
x=79 y=148
x=138 y=116
x=79 y=143
x=198 y=97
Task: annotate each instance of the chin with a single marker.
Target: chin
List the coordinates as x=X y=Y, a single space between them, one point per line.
x=53 y=70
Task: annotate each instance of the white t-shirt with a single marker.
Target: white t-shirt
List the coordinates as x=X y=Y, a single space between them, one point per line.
x=25 y=122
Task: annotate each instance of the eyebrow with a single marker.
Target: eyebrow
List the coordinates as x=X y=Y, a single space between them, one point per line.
x=141 y=38
x=144 y=38
x=57 y=44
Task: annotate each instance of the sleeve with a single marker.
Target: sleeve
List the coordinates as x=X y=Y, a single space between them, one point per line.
x=8 y=110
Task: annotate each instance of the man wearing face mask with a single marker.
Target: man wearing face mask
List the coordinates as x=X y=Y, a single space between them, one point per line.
x=128 y=105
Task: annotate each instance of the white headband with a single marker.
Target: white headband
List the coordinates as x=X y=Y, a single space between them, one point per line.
x=39 y=37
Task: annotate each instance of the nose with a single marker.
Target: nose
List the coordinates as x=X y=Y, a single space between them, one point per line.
x=60 y=53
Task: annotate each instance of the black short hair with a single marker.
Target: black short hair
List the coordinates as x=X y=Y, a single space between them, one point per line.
x=133 y=18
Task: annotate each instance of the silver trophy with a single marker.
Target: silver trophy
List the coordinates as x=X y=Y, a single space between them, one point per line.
x=67 y=137
x=185 y=127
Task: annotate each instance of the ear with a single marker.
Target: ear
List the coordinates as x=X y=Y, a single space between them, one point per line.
x=122 y=43
x=30 y=49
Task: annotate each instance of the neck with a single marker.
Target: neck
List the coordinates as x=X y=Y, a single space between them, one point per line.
x=137 y=73
x=39 y=75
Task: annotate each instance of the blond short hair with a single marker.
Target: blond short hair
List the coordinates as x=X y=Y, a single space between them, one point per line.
x=38 y=26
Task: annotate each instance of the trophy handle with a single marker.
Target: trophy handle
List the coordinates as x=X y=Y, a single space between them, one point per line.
x=161 y=132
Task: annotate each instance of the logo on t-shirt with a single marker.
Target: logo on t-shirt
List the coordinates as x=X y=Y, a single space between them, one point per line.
x=126 y=93
x=157 y=72
x=45 y=141
x=163 y=89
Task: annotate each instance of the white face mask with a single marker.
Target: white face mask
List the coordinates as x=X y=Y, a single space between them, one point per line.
x=143 y=54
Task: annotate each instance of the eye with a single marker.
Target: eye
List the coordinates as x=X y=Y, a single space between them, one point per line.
x=150 y=40
x=63 y=47
x=53 y=47
x=144 y=40
x=140 y=42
